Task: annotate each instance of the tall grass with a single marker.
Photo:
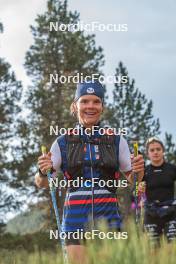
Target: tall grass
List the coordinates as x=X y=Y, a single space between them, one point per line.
x=134 y=250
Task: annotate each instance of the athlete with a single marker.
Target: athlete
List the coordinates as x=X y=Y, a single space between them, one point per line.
x=160 y=205
x=94 y=155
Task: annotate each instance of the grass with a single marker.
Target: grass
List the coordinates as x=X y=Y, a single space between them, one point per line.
x=134 y=250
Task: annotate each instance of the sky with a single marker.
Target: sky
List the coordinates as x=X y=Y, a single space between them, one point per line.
x=148 y=49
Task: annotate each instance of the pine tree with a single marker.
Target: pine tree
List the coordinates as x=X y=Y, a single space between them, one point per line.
x=130 y=109
x=10 y=93
x=65 y=53
x=170 y=148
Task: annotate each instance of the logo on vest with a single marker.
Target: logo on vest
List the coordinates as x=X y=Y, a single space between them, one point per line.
x=90 y=90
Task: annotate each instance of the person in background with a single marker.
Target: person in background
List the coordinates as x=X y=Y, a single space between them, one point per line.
x=160 y=204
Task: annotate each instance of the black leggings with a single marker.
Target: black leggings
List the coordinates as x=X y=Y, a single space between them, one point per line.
x=156 y=226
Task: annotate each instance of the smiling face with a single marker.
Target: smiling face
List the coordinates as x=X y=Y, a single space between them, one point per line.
x=89 y=109
x=156 y=153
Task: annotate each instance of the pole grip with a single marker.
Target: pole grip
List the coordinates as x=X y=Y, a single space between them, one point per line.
x=43 y=149
x=135 y=147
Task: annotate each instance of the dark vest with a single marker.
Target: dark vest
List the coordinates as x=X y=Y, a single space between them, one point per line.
x=73 y=162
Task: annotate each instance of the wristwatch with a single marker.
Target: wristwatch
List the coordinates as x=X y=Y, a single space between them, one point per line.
x=45 y=175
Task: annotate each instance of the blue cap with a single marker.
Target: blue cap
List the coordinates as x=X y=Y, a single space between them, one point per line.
x=89 y=88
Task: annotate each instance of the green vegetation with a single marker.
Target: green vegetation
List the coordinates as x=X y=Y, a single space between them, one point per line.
x=135 y=249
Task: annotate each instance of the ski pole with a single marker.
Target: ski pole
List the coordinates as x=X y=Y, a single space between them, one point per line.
x=135 y=148
x=142 y=201
x=54 y=202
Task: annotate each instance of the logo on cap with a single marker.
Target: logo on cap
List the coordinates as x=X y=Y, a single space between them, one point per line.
x=90 y=90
